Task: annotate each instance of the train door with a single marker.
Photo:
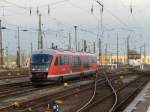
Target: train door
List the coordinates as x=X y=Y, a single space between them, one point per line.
x=54 y=70
x=63 y=68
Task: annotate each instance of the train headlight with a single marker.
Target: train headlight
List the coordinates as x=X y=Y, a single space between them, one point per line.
x=33 y=69
x=46 y=69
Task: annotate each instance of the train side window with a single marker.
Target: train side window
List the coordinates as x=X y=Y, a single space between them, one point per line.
x=93 y=59
x=66 y=60
x=83 y=60
x=86 y=61
x=70 y=60
x=79 y=61
x=74 y=60
x=56 y=61
x=89 y=57
x=63 y=60
x=60 y=60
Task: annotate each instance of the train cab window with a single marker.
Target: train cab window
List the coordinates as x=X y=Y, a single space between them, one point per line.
x=41 y=59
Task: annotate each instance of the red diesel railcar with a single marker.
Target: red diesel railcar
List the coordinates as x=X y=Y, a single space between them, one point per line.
x=55 y=65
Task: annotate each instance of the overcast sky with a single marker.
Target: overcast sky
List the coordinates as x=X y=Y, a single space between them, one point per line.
x=64 y=14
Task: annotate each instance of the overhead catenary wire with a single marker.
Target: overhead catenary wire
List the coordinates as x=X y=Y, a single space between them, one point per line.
x=83 y=10
x=55 y=3
x=131 y=8
x=30 y=8
x=107 y=10
x=40 y=6
x=62 y=1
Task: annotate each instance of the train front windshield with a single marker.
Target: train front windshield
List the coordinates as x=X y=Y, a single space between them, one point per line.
x=41 y=62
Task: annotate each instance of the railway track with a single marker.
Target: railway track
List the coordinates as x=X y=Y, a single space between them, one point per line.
x=102 y=97
x=10 y=86
x=43 y=100
x=11 y=77
x=36 y=104
x=124 y=99
x=17 y=91
x=40 y=101
x=37 y=100
x=102 y=103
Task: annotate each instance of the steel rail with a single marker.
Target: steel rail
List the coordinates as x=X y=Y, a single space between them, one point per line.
x=91 y=99
x=62 y=95
x=129 y=97
x=108 y=96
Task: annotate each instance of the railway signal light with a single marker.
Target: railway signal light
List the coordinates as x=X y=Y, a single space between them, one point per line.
x=65 y=84
x=16 y=104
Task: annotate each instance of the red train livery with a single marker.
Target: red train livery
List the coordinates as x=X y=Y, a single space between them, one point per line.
x=53 y=64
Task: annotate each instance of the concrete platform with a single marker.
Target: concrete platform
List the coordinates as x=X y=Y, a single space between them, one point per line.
x=142 y=102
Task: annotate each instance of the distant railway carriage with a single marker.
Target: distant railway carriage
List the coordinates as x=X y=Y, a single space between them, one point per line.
x=58 y=65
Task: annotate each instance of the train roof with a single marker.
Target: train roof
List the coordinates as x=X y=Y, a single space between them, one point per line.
x=52 y=51
x=44 y=51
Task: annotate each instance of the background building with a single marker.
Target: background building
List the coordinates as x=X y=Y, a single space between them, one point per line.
x=122 y=59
